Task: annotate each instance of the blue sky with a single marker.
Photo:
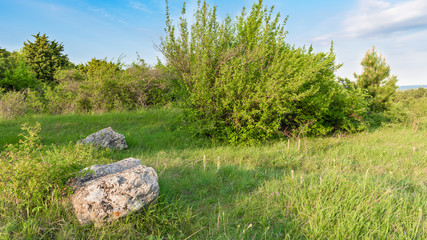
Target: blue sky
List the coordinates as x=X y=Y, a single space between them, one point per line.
x=89 y=28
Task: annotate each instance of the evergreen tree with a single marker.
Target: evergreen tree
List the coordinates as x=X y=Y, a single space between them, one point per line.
x=45 y=57
x=376 y=80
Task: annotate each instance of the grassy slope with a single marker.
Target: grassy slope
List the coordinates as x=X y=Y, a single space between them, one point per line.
x=369 y=185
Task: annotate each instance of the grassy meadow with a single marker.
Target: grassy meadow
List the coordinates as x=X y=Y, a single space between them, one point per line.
x=371 y=185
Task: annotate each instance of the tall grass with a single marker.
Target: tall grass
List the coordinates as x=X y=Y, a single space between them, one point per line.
x=363 y=186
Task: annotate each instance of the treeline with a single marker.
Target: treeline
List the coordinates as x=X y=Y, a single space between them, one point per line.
x=237 y=80
x=41 y=79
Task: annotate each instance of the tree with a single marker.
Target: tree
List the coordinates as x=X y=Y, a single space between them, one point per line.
x=376 y=81
x=45 y=57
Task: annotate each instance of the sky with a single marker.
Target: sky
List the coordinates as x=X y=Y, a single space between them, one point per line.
x=128 y=29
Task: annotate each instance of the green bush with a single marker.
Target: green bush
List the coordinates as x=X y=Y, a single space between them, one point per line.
x=34 y=101
x=102 y=86
x=410 y=94
x=148 y=86
x=97 y=86
x=410 y=106
x=245 y=83
x=12 y=104
x=31 y=174
x=65 y=97
x=15 y=74
x=19 y=103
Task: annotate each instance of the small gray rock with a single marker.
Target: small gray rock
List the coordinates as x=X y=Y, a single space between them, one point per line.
x=106 y=138
x=114 y=191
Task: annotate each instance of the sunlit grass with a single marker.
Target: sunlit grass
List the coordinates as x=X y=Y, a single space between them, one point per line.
x=362 y=186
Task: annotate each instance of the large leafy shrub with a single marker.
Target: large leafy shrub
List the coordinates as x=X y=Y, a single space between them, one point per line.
x=245 y=83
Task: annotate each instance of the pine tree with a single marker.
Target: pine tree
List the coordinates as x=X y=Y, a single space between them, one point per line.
x=45 y=57
x=376 y=81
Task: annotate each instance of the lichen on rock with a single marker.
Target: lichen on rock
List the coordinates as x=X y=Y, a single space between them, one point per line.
x=106 y=137
x=112 y=191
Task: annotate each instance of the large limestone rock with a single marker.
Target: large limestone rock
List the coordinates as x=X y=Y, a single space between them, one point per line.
x=106 y=137
x=113 y=191
x=97 y=171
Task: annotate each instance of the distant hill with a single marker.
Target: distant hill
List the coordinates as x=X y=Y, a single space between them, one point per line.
x=412 y=87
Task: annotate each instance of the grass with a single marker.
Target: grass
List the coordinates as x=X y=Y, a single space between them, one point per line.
x=363 y=186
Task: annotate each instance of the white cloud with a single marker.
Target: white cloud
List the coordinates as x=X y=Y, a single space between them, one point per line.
x=101 y=11
x=139 y=6
x=379 y=18
x=398 y=28
x=107 y=15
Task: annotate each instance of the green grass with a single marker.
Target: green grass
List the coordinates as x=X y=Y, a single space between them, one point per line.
x=363 y=186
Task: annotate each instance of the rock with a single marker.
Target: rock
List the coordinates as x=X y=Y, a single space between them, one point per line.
x=113 y=191
x=97 y=171
x=106 y=138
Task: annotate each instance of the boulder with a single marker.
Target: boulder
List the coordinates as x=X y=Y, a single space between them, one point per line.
x=106 y=137
x=97 y=171
x=111 y=191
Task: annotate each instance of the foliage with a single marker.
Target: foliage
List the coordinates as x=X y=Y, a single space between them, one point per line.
x=15 y=74
x=97 y=86
x=102 y=90
x=376 y=80
x=245 y=84
x=148 y=86
x=410 y=94
x=19 y=103
x=30 y=173
x=369 y=185
x=45 y=57
x=4 y=55
x=12 y=104
x=63 y=98
x=101 y=85
x=34 y=101
x=410 y=106
x=100 y=69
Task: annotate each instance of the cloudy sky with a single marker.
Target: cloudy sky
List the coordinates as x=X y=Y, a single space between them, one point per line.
x=101 y=28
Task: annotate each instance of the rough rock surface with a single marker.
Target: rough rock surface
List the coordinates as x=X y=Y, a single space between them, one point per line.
x=96 y=171
x=116 y=190
x=106 y=138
